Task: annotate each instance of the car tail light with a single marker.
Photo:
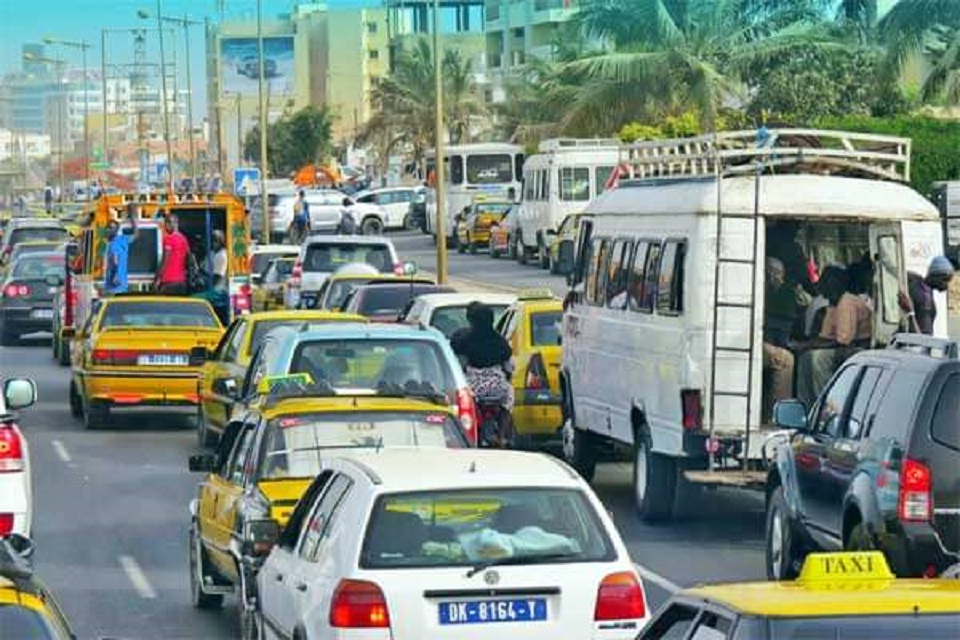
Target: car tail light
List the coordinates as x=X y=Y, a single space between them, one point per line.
x=296 y=274
x=16 y=290
x=11 y=450
x=619 y=597
x=6 y=524
x=359 y=604
x=692 y=409
x=915 y=501
x=243 y=301
x=71 y=304
x=467 y=412
x=536 y=374
x=115 y=356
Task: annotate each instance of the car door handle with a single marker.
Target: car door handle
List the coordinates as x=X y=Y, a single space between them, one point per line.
x=301 y=586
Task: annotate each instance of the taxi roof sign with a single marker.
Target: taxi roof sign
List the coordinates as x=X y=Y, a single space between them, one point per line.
x=543 y=293
x=840 y=567
x=273 y=385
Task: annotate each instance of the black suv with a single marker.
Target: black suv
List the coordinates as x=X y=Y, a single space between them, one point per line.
x=874 y=464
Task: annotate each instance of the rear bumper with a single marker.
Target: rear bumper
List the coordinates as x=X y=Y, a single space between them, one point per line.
x=142 y=389
x=19 y=320
x=914 y=547
x=13 y=499
x=537 y=413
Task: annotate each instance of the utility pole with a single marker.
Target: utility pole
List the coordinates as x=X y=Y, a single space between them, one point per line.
x=163 y=101
x=103 y=87
x=439 y=171
x=265 y=210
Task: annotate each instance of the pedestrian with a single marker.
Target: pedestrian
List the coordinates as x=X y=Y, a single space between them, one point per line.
x=348 y=224
x=300 y=226
x=219 y=250
x=780 y=316
x=171 y=278
x=48 y=199
x=918 y=301
x=119 y=239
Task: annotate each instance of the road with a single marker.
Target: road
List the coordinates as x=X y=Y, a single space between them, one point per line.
x=110 y=520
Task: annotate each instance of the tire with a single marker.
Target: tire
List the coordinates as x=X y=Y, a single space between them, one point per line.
x=95 y=415
x=859 y=539
x=63 y=355
x=543 y=256
x=579 y=449
x=248 y=620
x=521 y=251
x=554 y=269
x=782 y=551
x=76 y=405
x=511 y=248
x=654 y=482
x=371 y=226
x=408 y=223
x=205 y=438
x=197 y=566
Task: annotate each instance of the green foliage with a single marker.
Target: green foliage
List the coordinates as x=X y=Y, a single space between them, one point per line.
x=936 y=143
x=293 y=141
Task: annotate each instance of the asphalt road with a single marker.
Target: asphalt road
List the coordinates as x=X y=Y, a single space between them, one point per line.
x=110 y=521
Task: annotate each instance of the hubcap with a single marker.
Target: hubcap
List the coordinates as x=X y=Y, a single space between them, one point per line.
x=776 y=544
x=641 y=466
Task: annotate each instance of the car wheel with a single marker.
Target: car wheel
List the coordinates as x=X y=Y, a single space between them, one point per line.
x=76 y=406
x=782 y=555
x=860 y=539
x=198 y=598
x=521 y=251
x=95 y=415
x=249 y=623
x=205 y=437
x=579 y=450
x=511 y=248
x=554 y=267
x=63 y=352
x=654 y=482
x=543 y=256
x=371 y=226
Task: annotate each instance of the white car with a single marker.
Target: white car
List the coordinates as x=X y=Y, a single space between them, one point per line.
x=322 y=255
x=263 y=254
x=447 y=312
x=16 y=504
x=327 y=207
x=488 y=544
x=395 y=201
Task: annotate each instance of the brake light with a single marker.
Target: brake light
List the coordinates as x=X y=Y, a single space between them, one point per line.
x=536 y=374
x=6 y=524
x=11 y=450
x=915 y=500
x=467 y=412
x=359 y=604
x=296 y=274
x=71 y=303
x=620 y=597
x=243 y=301
x=115 y=356
x=692 y=409
x=16 y=290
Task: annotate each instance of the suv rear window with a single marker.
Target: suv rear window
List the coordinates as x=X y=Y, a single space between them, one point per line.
x=327 y=258
x=946 y=419
x=37 y=234
x=38 y=267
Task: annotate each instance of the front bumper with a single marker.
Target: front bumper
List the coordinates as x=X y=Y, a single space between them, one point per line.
x=22 y=320
x=138 y=388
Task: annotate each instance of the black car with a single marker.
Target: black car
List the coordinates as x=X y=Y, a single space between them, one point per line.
x=874 y=464
x=26 y=295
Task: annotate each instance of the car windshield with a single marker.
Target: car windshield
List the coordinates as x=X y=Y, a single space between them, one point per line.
x=327 y=258
x=38 y=247
x=389 y=300
x=35 y=267
x=370 y=365
x=260 y=261
x=860 y=627
x=340 y=289
x=295 y=444
x=546 y=327
x=262 y=327
x=449 y=319
x=25 y=624
x=461 y=527
x=157 y=314
x=38 y=234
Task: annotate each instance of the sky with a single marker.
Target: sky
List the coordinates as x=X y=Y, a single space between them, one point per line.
x=22 y=21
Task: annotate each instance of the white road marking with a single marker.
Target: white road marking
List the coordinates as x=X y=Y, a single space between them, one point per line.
x=61 y=451
x=656 y=578
x=137 y=577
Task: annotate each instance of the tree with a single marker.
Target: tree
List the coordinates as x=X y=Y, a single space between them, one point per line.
x=293 y=141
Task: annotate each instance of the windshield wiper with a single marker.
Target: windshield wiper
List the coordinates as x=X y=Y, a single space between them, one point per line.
x=421 y=390
x=532 y=559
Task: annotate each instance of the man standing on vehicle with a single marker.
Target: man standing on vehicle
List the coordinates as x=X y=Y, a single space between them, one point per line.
x=301 y=219
x=781 y=313
x=118 y=254
x=918 y=301
x=171 y=276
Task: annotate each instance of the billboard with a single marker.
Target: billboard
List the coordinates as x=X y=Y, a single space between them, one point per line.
x=240 y=65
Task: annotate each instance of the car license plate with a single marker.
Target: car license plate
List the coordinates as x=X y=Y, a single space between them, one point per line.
x=163 y=360
x=43 y=314
x=485 y=611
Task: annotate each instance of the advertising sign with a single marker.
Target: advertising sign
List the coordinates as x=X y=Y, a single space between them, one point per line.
x=246 y=181
x=240 y=65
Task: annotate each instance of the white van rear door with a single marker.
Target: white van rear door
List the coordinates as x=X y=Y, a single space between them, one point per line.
x=889 y=278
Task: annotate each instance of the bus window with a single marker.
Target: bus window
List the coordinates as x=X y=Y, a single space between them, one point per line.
x=456 y=170
x=490 y=168
x=518 y=167
x=574 y=184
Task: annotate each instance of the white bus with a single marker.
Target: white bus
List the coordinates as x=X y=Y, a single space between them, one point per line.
x=564 y=177
x=491 y=169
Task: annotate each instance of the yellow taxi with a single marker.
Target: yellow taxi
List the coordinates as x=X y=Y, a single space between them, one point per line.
x=533 y=326
x=139 y=350
x=224 y=366
x=268 y=292
x=268 y=457
x=474 y=222
x=848 y=595
x=566 y=231
x=27 y=608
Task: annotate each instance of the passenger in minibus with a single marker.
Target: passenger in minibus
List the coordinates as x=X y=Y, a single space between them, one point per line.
x=918 y=301
x=782 y=244
x=780 y=316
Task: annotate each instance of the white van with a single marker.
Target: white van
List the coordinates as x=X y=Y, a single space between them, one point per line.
x=662 y=340
x=564 y=177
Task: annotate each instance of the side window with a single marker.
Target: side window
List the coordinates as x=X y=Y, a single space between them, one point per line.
x=943 y=429
x=241 y=454
x=584 y=251
x=888 y=268
x=635 y=277
x=859 y=410
x=670 y=287
x=574 y=184
x=528 y=182
x=651 y=272
x=598 y=266
x=894 y=417
x=601 y=175
x=831 y=412
x=673 y=624
x=291 y=533
x=319 y=523
x=712 y=626
x=403 y=196
x=232 y=349
x=617 y=274
x=545 y=184
x=254 y=372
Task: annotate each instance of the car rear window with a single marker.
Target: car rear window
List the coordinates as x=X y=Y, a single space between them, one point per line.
x=260 y=261
x=25 y=624
x=375 y=365
x=296 y=443
x=262 y=327
x=945 y=427
x=463 y=527
x=340 y=289
x=327 y=258
x=389 y=300
x=157 y=314
x=37 y=234
x=449 y=319
x=860 y=627
x=26 y=248
x=36 y=267
x=546 y=327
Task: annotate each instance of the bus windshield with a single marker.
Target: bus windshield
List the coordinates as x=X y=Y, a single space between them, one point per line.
x=489 y=168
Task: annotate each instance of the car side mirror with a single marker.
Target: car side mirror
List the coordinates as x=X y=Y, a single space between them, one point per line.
x=21 y=545
x=19 y=393
x=565 y=258
x=226 y=387
x=790 y=414
x=53 y=280
x=203 y=463
x=198 y=355
x=260 y=536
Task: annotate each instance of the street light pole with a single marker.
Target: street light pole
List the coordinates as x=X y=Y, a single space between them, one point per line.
x=439 y=171
x=163 y=100
x=265 y=233
x=193 y=157
x=103 y=87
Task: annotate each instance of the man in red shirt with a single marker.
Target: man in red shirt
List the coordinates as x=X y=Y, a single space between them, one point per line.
x=172 y=274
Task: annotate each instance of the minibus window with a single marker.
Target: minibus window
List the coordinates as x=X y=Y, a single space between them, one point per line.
x=635 y=286
x=670 y=288
x=598 y=265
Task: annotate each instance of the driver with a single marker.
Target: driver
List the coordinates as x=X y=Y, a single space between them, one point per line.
x=486 y=355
